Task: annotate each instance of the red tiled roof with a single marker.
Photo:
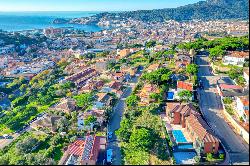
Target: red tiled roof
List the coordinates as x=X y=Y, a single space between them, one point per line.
x=238 y=54
x=200 y=128
x=185 y=85
x=76 y=148
x=244 y=100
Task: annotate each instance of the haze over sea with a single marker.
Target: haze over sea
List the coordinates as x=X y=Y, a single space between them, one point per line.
x=19 y=21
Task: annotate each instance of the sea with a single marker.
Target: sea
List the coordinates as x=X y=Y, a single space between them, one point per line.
x=20 y=21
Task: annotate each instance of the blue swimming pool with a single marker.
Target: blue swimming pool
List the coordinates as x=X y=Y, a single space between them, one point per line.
x=170 y=95
x=185 y=146
x=178 y=136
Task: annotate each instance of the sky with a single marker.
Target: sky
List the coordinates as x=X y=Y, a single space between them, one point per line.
x=89 y=5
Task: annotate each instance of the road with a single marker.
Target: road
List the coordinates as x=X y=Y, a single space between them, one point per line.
x=211 y=107
x=114 y=123
x=6 y=142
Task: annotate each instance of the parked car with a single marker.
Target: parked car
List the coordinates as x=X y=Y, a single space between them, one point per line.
x=109 y=156
x=110 y=135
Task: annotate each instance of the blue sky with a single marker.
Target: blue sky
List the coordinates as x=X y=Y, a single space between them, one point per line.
x=89 y=5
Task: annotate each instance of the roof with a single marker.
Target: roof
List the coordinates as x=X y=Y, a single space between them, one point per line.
x=68 y=104
x=101 y=96
x=92 y=147
x=238 y=54
x=115 y=85
x=48 y=121
x=185 y=85
x=76 y=148
x=200 y=128
x=226 y=86
x=246 y=71
x=184 y=109
x=244 y=100
x=154 y=66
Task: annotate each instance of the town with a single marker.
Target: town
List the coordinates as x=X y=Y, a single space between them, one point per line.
x=137 y=93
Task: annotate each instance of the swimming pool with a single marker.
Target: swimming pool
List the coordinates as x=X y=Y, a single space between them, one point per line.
x=184 y=157
x=179 y=137
x=185 y=146
x=170 y=95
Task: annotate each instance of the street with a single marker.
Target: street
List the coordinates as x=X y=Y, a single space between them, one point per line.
x=6 y=142
x=211 y=107
x=114 y=123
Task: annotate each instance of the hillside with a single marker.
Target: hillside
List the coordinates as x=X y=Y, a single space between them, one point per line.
x=205 y=10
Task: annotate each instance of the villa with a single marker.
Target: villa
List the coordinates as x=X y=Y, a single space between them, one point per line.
x=145 y=93
x=235 y=58
x=66 y=105
x=203 y=140
x=178 y=112
x=242 y=105
x=85 y=151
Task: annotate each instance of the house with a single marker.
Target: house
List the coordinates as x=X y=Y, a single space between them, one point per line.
x=86 y=151
x=118 y=76
x=116 y=87
x=103 y=99
x=145 y=93
x=235 y=58
x=182 y=85
x=123 y=53
x=101 y=65
x=242 y=105
x=226 y=90
x=92 y=149
x=98 y=113
x=92 y=85
x=48 y=121
x=203 y=140
x=66 y=105
x=246 y=76
x=178 y=112
x=153 y=67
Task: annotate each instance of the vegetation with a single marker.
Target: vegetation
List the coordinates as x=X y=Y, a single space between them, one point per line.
x=203 y=10
x=140 y=135
x=185 y=95
x=229 y=109
x=39 y=94
x=227 y=100
x=84 y=100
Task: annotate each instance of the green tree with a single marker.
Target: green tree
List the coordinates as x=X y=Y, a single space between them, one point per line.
x=132 y=101
x=192 y=69
x=84 y=100
x=63 y=124
x=216 y=52
x=150 y=44
x=90 y=119
x=26 y=145
x=141 y=139
x=185 y=95
x=125 y=130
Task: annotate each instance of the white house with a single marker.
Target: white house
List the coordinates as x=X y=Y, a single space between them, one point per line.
x=242 y=105
x=235 y=58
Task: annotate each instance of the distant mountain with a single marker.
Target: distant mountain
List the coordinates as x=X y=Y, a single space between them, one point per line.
x=204 y=10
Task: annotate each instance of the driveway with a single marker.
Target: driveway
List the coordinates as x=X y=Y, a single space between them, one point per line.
x=114 y=123
x=211 y=107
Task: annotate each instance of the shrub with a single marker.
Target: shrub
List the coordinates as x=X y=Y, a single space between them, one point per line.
x=227 y=100
x=222 y=156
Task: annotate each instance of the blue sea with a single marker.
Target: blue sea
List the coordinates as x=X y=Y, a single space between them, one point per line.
x=19 y=21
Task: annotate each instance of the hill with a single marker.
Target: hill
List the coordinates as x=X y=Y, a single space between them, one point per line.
x=204 y=10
